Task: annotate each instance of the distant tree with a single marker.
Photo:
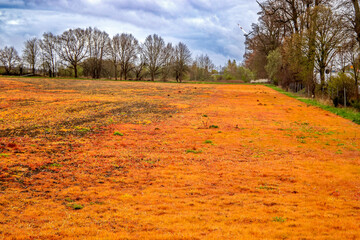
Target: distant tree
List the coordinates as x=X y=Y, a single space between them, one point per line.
x=140 y=64
x=127 y=46
x=266 y=36
x=168 y=64
x=237 y=72
x=356 y=18
x=31 y=53
x=72 y=48
x=98 y=48
x=182 y=60
x=273 y=65
x=9 y=58
x=350 y=9
x=351 y=56
x=153 y=49
x=113 y=49
x=203 y=68
x=48 y=46
x=329 y=36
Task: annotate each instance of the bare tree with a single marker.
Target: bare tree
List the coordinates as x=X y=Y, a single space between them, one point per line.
x=351 y=10
x=329 y=36
x=127 y=47
x=140 y=64
x=112 y=48
x=98 y=46
x=48 y=45
x=9 y=58
x=168 y=55
x=182 y=61
x=266 y=37
x=72 y=48
x=153 y=49
x=348 y=57
x=203 y=67
x=31 y=53
x=287 y=13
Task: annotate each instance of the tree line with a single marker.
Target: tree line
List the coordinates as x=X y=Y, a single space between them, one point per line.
x=299 y=44
x=93 y=53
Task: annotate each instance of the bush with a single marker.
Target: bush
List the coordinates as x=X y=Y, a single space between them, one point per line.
x=355 y=104
x=336 y=86
x=336 y=101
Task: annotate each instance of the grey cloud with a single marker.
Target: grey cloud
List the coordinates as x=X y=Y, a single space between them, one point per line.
x=205 y=26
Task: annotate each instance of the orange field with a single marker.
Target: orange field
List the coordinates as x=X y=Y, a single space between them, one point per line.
x=132 y=160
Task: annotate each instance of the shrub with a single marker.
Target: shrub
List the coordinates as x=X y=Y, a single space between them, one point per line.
x=336 y=86
x=355 y=104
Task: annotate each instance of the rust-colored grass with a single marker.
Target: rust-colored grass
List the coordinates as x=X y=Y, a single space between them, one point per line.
x=119 y=160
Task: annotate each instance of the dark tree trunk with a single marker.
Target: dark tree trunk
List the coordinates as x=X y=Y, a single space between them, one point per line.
x=75 y=70
x=357 y=30
x=152 y=77
x=357 y=18
x=116 y=72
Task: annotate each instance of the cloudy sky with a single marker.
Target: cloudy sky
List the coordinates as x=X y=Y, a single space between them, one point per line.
x=206 y=26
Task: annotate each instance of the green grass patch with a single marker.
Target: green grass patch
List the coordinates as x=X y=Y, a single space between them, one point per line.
x=69 y=200
x=347 y=113
x=4 y=155
x=82 y=129
x=279 y=219
x=193 y=151
x=75 y=206
x=266 y=187
x=55 y=165
x=118 y=133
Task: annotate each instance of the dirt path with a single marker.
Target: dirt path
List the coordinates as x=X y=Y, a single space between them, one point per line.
x=238 y=162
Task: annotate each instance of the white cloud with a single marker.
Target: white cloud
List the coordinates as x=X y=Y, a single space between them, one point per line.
x=206 y=26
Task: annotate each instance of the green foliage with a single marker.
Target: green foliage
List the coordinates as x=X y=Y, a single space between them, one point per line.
x=266 y=187
x=355 y=104
x=279 y=219
x=237 y=72
x=193 y=151
x=273 y=65
x=336 y=86
x=213 y=126
x=75 y=206
x=118 y=133
x=208 y=142
x=82 y=129
x=55 y=165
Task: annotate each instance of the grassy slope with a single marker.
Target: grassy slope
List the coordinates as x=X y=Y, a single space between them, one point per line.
x=347 y=113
